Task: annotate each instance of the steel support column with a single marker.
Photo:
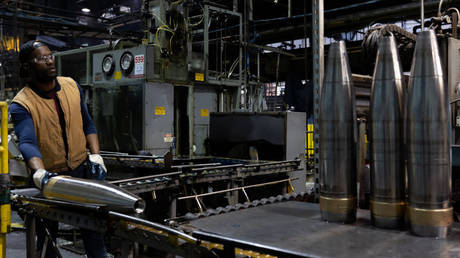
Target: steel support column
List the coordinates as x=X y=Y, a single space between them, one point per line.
x=239 y=102
x=318 y=71
x=190 y=113
x=206 y=41
x=30 y=236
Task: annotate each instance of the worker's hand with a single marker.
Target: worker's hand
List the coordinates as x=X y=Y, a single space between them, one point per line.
x=97 y=168
x=41 y=177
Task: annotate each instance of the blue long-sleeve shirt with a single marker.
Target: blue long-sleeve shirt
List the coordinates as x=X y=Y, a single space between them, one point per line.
x=24 y=126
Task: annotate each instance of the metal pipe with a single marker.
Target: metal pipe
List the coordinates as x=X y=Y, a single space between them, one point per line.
x=289 y=9
x=206 y=41
x=251 y=10
x=337 y=133
x=49 y=238
x=218 y=167
x=245 y=195
x=221 y=101
x=197 y=165
x=305 y=41
x=240 y=96
x=258 y=66
x=363 y=177
x=236 y=189
x=244 y=92
x=199 y=204
x=422 y=14
x=40 y=202
x=273 y=163
x=277 y=78
x=272 y=49
x=428 y=141
x=88 y=72
x=128 y=156
x=454 y=24
x=144 y=177
x=191 y=120
x=140 y=223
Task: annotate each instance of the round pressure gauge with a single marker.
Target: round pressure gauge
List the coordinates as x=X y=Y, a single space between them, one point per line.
x=108 y=66
x=127 y=63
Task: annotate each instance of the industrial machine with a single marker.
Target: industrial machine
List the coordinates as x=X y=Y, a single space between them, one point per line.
x=276 y=136
x=134 y=113
x=157 y=95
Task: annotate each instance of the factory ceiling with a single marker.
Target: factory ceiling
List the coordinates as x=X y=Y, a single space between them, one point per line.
x=271 y=20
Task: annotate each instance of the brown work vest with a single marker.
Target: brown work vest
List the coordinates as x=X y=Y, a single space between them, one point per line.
x=48 y=129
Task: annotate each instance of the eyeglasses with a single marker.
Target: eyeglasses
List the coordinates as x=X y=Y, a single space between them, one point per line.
x=43 y=59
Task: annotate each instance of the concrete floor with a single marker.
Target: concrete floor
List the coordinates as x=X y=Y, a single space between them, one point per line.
x=16 y=242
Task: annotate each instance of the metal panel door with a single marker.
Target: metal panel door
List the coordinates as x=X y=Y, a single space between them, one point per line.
x=158 y=117
x=205 y=102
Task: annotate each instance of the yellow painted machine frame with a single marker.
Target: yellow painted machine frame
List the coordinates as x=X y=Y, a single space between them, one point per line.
x=5 y=209
x=309 y=146
x=309 y=143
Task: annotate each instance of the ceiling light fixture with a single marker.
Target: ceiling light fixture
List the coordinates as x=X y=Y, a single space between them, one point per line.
x=85 y=10
x=125 y=9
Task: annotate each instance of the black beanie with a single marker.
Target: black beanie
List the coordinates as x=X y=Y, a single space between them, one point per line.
x=27 y=49
x=24 y=54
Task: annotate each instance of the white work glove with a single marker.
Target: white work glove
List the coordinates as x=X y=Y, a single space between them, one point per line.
x=41 y=177
x=97 y=168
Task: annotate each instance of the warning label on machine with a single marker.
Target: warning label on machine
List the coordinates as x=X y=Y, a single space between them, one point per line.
x=139 y=64
x=204 y=112
x=199 y=77
x=168 y=137
x=160 y=111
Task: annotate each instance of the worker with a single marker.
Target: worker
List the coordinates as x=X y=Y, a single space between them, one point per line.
x=54 y=131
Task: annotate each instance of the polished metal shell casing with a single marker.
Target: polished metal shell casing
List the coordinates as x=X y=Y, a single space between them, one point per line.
x=88 y=191
x=428 y=142
x=337 y=125
x=386 y=119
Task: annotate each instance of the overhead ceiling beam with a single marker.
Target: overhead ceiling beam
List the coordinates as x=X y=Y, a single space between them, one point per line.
x=353 y=21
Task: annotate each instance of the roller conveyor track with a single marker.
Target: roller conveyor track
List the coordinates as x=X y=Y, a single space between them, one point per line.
x=133 y=162
x=192 y=174
x=131 y=228
x=98 y=218
x=301 y=196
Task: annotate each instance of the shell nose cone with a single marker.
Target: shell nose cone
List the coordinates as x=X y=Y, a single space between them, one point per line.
x=337 y=69
x=387 y=65
x=427 y=62
x=139 y=206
